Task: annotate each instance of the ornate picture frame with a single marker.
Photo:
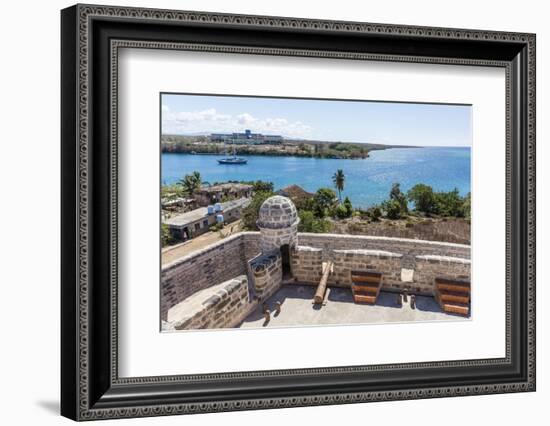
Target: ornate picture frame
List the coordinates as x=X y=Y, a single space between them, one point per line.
x=91 y=37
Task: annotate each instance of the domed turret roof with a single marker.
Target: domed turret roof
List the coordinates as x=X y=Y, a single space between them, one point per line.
x=277 y=212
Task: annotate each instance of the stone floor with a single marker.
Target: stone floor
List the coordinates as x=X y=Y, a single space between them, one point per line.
x=298 y=310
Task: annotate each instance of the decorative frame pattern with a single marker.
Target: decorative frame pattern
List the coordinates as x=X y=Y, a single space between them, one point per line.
x=88 y=402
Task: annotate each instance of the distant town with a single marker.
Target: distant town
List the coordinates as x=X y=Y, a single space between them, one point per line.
x=250 y=143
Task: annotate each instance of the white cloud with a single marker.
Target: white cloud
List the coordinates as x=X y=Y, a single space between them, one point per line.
x=210 y=120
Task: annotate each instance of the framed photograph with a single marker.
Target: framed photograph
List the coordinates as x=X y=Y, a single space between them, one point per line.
x=265 y=212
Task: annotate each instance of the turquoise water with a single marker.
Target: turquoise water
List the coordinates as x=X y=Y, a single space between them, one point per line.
x=368 y=181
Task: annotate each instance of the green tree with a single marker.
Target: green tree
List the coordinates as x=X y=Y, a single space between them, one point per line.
x=309 y=223
x=191 y=183
x=261 y=186
x=374 y=213
x=250 y=212
x=341 y=212
x=449 y=203
x=339 y=179
x=392 y=209
x=166 y=237
x=467 y=206
x=324 y=199
x=423 y=198
x=348 y=206
x=397 y=195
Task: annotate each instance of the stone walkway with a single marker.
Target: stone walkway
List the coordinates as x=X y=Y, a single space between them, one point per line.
x=297 y=309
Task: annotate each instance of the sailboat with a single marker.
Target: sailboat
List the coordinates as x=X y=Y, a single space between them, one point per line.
x=233 y=159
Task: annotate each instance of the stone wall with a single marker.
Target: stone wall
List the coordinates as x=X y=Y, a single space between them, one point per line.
x=429 y=267
x=267 y=273
x=251 y=243
x=223 y=305
x=230 y=257
x=214 y=264
x=306 y=264
x=385 y=262
x=274 y=238
x=404 y=246
x=416 y=272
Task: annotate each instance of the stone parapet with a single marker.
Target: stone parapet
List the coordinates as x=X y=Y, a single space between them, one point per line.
x=216 y=263
x=404 y=246
x=386 y=262
x=220 y=306
x=430 y=267
x=306 y=264
x=267 y=273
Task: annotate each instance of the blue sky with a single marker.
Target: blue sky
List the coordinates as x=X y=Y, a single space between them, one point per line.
x=345 y=121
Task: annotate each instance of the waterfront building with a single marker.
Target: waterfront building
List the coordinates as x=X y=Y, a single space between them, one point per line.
x=246 y=138
x=195 y=222
x=217 y=193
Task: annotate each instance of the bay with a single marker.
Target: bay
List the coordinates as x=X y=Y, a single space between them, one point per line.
x=368 y=181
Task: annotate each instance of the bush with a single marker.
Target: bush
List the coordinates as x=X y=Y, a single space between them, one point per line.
x=374 y=213
x=392 y=209
x=423 y=198
x=348 y=206
x=309 y=223
x=341 y=212
x=397 y=195
x=261 y=186
x=166 y=237
x=217 y=227
x=250 y=212
x=449 y=203
x=467 y=206
x=323 y=200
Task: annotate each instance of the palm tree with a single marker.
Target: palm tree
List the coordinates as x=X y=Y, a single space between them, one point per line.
x=191 y=183
x=339 y=179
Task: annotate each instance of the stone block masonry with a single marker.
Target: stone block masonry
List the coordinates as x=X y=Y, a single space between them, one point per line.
x=420 y=262
x=306 y=264
x=385 y=262
x=221 y=306
x=214 y=264
x=267 y=273
x=430 y=267
x=405 y=246
x=389 y=256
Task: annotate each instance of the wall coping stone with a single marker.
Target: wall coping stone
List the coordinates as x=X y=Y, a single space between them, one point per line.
x=377 y=253
x=442 y=259
x=308 y=248
x=184 y=311
x=381 y=238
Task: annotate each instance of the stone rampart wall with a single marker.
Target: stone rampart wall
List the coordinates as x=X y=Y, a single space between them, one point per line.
x=404 y=246
x=306 y=264
x=415 y=273
x=220 y=306
x=214 y=264
x=230 y=257
x=267 y=273
x=429 y=267
x=385 y=262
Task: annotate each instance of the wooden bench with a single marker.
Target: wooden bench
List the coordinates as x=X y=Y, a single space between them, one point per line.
x=365 y=286
x=453 y=296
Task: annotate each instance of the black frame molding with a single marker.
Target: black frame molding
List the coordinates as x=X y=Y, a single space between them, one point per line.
x=91 y=37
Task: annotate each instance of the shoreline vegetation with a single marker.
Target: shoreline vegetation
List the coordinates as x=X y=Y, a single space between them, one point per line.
x=202 y=144
x=421 y=212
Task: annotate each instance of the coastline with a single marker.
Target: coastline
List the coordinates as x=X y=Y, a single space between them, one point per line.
x=289 y=148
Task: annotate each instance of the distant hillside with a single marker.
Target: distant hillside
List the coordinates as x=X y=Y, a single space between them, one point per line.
x=201 y=144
